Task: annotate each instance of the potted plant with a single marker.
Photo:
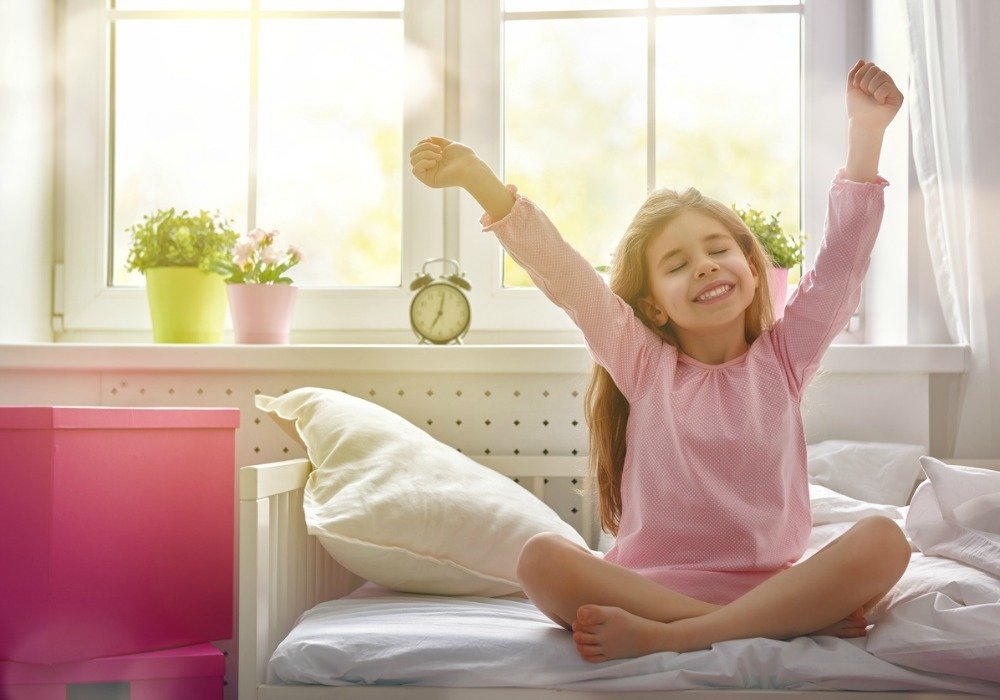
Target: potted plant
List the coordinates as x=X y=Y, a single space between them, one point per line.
x=261 y=296
x=177 y=254
x=785 y=250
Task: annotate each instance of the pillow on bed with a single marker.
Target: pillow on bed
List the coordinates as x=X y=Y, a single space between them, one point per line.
x=876 y=472
x=956 y=514
x=401 y=509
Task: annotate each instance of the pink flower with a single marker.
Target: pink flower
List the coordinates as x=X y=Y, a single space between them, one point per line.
x=256 y=237
x=295 y=253
x=270 y=256
x=242 y=253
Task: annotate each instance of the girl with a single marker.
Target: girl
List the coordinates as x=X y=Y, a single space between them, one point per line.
x=697 y=442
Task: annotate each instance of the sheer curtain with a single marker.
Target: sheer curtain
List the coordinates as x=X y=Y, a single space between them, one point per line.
x=954 y=103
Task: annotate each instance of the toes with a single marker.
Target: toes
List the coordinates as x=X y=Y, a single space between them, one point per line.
x=584 y=638
x=589 y=615
x=591 y=654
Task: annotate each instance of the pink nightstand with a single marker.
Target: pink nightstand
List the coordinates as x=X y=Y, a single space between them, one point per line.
x=116 y=530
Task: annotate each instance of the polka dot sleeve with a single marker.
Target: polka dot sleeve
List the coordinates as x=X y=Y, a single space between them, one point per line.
x=830 y=292
x=617 y=340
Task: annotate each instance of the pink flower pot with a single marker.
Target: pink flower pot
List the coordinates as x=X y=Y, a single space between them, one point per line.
x=777 y=278
x=262 y=313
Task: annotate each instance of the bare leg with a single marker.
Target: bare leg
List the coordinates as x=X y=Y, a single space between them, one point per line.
x=854 y=572
x=560 y=576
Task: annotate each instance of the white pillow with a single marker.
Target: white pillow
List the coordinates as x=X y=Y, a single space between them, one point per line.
x=399 y=508
x=954 y=514
x=877 y=472
x=828 y=506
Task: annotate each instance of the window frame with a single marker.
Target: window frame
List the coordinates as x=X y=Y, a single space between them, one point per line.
x=464 y=39
x=90 y=308
x=826 y=49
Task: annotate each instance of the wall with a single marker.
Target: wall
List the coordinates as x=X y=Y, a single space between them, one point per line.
x=27 y=112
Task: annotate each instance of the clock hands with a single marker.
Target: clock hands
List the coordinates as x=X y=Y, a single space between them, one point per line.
x=440 y=312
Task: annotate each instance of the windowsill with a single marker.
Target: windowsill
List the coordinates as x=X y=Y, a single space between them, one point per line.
x=532 y=359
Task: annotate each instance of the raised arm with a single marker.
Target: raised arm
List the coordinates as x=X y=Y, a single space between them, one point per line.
x=438 y=162
x=829 y=293
x=617 y=340
x=872 y=101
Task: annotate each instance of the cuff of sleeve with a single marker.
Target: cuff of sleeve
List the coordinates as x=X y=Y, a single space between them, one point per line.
x=841 y=179
x=485 y=219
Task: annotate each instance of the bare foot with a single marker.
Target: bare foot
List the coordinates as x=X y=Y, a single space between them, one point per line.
x=854 y=625
x=603 y=633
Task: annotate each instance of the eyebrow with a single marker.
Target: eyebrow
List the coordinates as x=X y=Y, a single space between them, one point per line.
x=675 y=251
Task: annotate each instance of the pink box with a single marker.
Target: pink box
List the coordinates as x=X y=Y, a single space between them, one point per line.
x=192 y=673
x=116 y=530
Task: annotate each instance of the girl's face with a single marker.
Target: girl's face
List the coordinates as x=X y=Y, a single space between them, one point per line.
x=694 y=255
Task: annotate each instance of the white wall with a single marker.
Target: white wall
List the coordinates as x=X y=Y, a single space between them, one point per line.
x=27 y=113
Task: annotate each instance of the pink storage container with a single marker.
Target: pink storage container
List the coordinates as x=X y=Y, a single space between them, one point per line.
x=192 y=673
x=116 y=530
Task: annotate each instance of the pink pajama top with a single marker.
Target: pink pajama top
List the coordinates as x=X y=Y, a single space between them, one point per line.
x=715 y=497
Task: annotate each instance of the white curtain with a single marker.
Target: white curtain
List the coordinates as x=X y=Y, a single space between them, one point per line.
x=954 y=106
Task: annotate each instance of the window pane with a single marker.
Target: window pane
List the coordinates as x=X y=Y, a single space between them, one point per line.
x=730 y=125
x=721 y=3
x=575 y=126
x=180 y=123
x=330 y=139
x=175 y=5
x=547 y=5
x=338 y=5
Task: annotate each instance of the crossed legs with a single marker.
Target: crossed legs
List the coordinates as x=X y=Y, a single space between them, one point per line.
x=617 y=613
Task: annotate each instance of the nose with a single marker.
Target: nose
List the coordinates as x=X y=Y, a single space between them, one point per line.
x=705 y=266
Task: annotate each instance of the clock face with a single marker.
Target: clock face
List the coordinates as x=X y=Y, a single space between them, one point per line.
x=440 y=313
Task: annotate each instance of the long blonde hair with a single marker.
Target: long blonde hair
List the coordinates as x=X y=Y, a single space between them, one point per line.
x=606 y=408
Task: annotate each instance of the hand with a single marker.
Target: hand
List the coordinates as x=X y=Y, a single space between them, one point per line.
x=872 y=97
x=438 y=162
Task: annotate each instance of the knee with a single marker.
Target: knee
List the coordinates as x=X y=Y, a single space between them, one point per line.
x=542 y=556
x=884 y=544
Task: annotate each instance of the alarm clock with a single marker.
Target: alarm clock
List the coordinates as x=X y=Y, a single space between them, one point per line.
x=440 y=312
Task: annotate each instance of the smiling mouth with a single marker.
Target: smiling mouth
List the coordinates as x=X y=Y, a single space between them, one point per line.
x=715 y=293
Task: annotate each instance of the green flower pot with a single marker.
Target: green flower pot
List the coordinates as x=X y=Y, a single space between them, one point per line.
x=186 y=304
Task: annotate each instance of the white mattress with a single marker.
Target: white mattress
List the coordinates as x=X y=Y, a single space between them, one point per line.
x=943 y=616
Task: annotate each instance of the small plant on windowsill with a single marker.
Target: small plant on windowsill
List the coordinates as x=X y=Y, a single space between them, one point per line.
x=255 y=260
x=785 y=250
x=261 y=295
x=177 y=254
x=169 y=239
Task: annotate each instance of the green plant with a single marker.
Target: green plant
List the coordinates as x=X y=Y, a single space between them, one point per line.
x=786 y=250
x=255 y=260
x=169 y=239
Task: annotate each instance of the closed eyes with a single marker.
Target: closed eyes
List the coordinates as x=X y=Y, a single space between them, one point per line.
x=718 y=252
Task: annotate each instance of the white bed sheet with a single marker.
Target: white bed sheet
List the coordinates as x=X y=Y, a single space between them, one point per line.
x=383 y=637
x=938 y=629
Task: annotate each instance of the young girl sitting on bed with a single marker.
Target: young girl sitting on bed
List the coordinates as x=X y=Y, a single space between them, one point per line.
x=697 y=439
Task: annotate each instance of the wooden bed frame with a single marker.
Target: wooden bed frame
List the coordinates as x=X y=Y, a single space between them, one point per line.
x=284 y=571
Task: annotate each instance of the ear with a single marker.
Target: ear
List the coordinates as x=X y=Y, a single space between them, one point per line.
x=654 y=313
x=753 y=271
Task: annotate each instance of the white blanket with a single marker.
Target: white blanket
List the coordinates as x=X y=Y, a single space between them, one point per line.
x=938 y=629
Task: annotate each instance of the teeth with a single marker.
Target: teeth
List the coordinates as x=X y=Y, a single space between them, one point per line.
x=714 y=293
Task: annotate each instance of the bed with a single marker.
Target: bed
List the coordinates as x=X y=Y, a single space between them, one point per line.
x=294 y=598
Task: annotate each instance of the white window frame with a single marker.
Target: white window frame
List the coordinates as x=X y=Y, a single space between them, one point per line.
x=463 y=39
x=88 y=308
x=830 y=43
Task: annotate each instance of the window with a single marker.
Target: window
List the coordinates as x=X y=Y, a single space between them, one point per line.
x=238 y=105
x=326 y=170
x=288 y=115
x=601 y=106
